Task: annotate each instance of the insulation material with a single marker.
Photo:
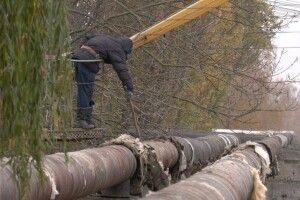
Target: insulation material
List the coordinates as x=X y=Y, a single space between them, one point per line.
x=54 y=191
x=188 y=150
x=156 y=159
x=284 y=140
x=259 y=190
x=266 y=162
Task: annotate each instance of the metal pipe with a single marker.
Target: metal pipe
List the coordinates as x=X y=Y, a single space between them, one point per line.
x=85 y=172
x=232 y=177
x=203 y=150
x=166 y=152
x=242 y=136
x=90 y=170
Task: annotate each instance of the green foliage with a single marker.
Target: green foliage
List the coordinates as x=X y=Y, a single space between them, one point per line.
x=29 y=84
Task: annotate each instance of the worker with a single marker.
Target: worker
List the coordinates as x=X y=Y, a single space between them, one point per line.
x=112 y=51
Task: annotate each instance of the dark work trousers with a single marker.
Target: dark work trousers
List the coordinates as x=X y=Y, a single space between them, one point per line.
x=85 y=85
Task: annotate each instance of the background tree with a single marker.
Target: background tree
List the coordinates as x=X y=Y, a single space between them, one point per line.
x=213 y=72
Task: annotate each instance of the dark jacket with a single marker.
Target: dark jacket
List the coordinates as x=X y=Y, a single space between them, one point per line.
x=112 y=50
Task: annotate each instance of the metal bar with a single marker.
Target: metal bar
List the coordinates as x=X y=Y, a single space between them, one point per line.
x=84 y=61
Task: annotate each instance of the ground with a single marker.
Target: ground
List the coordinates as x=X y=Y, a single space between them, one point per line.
x=286 y=186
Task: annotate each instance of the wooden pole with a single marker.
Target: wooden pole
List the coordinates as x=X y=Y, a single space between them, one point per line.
x=183 y=16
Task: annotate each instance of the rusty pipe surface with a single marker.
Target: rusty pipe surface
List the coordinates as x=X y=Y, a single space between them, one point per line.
x=87 y=171
x=230 y=178
x=203 y=150
x=165 y=151
x=200 y=150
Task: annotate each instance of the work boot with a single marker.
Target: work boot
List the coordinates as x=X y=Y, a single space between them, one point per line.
x=83 y=119
x=88 y=115
x=84 y=124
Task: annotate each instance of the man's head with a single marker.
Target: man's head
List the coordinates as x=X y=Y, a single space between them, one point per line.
x=126 y=44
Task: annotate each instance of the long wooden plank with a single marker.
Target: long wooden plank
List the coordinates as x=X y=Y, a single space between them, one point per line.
x=183 y=16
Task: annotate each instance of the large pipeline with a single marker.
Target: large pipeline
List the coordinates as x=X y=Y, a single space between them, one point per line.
x=234 y=177
x=86 y=172
x=90 y=170
x=174 y=157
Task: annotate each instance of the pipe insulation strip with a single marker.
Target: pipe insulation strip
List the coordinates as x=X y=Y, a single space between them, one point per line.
x=86 y=172
x=284 y=140
x=234 y=177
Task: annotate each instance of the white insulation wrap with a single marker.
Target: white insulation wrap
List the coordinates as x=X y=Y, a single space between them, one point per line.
x=284 y=140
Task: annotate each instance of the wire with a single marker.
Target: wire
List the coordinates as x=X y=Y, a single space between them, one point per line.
x=84 y=61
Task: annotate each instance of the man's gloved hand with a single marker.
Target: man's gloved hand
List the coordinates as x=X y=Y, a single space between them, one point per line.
x=128 y=94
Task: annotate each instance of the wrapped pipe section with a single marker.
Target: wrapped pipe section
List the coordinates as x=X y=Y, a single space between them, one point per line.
x=85 y=172
x=165 y=160
x=166 y=152
x=234 y=177
x=201 y=151
x=246 y=135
